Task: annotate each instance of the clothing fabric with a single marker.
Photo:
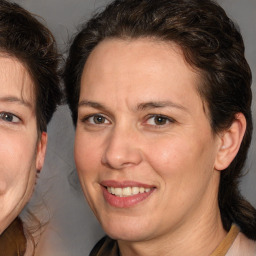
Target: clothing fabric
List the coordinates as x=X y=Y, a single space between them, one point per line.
x=234 y=244
x=242 y=246
x=105 y=247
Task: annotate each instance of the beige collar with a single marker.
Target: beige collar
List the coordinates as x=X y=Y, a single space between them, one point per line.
x=227 y=242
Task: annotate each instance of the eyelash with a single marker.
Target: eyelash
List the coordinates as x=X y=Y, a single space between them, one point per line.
x=167 y=120
x=6 y=115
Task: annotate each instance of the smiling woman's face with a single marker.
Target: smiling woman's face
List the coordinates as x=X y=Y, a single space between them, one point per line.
x=144 y=148
x=21 y=149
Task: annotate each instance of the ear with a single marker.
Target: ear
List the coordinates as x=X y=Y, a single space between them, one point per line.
x=230 y=141
x=41 y=150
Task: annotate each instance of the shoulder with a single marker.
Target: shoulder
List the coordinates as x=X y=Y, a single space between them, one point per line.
x=242 y=246
x=106 y=246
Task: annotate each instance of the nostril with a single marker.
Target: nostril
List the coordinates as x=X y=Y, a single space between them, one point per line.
x=118 y=161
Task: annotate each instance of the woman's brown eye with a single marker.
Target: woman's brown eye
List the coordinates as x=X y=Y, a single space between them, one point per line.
x=99 y=119
x=159 y=120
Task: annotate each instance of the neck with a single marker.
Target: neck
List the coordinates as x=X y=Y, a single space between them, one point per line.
x=199 y=239
x=200 y=234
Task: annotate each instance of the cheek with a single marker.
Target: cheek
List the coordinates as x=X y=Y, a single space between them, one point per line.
x=184 y=169
x=180 y=161
x=87 y=155
x=17 y=175
x=17 y=154
x=167 y=155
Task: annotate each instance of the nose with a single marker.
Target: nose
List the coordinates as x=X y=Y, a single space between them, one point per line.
x=122 y=150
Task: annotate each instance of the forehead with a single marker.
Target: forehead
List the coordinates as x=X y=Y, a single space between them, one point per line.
x=142 y=53
x=15 y=80
x=139 y=66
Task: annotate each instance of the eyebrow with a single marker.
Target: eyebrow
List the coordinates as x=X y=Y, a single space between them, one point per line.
x=140 y=107
x=85 y=103
x=16 y=100
x=159 y=104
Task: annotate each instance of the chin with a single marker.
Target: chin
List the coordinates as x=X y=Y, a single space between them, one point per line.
x=126 y=229
x=125 y=235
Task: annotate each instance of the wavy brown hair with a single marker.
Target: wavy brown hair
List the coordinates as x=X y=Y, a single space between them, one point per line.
x=211 y=44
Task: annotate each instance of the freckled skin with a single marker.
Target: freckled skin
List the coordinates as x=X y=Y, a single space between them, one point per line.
x=177 y=158
x=21 y=149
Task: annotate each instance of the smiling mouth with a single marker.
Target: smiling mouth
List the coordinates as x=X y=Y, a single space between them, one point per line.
x=127 y=191
x=125 y=194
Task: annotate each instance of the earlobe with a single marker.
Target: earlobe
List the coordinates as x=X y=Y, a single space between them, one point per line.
x=230 y=142
x=41 y=150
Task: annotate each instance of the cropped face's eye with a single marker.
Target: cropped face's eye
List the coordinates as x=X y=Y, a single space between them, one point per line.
x=9 y=117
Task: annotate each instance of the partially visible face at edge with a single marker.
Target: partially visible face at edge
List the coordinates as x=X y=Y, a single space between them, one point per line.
x=22 y=149
x=142 y=126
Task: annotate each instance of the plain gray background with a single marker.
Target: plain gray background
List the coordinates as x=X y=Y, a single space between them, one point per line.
x=72 y=230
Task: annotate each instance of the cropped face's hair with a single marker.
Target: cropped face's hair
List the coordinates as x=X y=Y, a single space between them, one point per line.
x=211 y=44
x=23 y=37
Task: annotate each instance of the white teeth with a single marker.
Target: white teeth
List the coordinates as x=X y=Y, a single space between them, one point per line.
x=118 y=191
x=135 y=190
x=142 y=190
x=127 y=191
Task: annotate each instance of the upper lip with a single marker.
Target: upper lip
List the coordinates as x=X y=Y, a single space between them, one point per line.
x=124 y=184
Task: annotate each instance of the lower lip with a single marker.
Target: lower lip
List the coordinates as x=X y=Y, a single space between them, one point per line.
x=125 y=202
